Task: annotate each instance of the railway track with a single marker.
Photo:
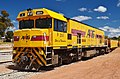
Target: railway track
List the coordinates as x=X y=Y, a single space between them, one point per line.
x=5 y=58
x=8 y=71
x=15 y=74
x=5 y=62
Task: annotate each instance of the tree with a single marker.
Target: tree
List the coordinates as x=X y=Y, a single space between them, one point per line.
x=4 y=22
x=119 y=38
x=2 y=25
x=114 y=38
x=9 y=36
x=106 y=37
x=4 y=13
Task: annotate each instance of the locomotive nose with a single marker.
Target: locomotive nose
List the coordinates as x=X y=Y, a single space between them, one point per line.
x=29 y=37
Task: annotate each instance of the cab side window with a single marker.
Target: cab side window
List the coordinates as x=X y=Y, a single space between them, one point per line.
x=55 y=25
x=60 y=26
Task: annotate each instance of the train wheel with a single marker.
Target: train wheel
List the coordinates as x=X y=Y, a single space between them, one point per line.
x=70 y=59
x=108 y=50
x=60 y=61
x=37 y=67
x=97 y=53
x=79 y=56
x=102 y=51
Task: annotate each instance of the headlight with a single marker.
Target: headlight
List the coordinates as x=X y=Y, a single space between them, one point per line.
x=44 y=33
x=30 y=13
x=40 y=52
x=14 y=52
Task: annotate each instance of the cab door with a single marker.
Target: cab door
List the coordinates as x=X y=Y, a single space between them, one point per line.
x=59 y=33
x=79 y=38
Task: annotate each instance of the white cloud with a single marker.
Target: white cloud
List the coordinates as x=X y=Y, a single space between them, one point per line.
x=14 y=21
x=101 y=9
x=103 y=17
x=110 y=29
x=82 y=18
x=118 y=4
x=10 y=29
x=82 y=9
x=111 y=32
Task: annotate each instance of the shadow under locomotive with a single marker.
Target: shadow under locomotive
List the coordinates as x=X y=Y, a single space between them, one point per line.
x=49 y=68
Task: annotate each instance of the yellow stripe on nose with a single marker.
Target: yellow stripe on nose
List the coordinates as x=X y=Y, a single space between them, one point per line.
x=40 y=56
x=36 y=58
x=21 y=49
x=42 y=52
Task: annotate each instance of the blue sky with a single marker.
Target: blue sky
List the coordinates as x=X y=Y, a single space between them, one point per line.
x=103 y=14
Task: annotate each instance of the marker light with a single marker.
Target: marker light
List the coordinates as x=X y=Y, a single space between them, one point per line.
x=16 y=38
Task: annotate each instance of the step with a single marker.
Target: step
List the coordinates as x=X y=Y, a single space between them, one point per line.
x=48 y=58
x=49 y=52
x=48 y=64
x=6 y=51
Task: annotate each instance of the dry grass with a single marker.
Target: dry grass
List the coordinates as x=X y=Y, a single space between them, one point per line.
x=5 y=42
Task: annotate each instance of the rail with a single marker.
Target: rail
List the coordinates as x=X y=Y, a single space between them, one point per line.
x=6 y=51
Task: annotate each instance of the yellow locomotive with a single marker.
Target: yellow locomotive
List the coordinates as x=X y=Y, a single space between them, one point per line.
x=48 y=38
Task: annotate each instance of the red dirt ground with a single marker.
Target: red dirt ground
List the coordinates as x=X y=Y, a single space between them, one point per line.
x=101 y=67
x=3 y=69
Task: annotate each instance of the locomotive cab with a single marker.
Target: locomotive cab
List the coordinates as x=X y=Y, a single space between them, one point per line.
x=33 y=29
x=37 y=26
x=28 y=34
